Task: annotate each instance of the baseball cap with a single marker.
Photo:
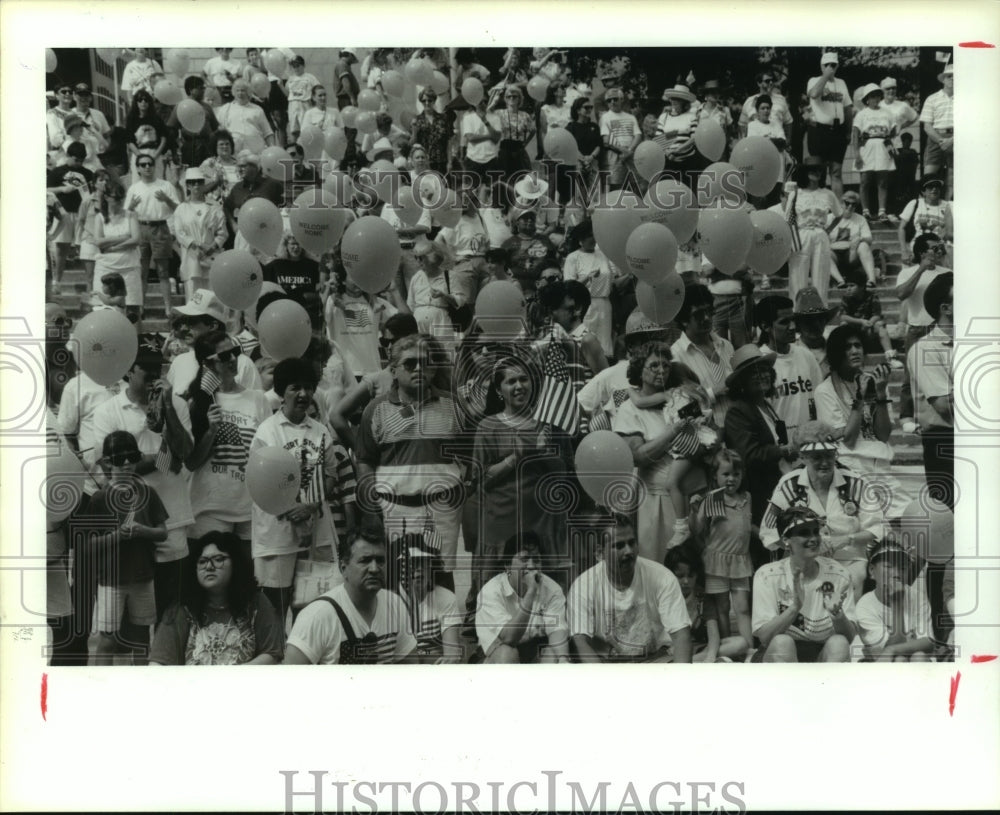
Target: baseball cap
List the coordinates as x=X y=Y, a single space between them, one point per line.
x=614 y=93
x=296 y=60
x=193 y=174
x=81 y=88
x=828 y=57
x=888 y=82
x=890 y=549
x=204 y=303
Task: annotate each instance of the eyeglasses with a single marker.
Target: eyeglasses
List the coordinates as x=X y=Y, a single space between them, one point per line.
x=587 y=107
x=216 y=561
x=120 y=459
x=224 y=356
x=66 y=91
x=412 y=363
x=144 y=164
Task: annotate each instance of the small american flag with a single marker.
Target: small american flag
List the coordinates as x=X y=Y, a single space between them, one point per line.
x=311 y=490
x=557 y=403
x=210 y=381
x=599 y=421
x=793 y=222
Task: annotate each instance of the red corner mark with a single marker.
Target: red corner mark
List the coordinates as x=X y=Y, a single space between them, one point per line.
x=983 y=657
x=45 y=696
x=954 y=692
x=976 y=44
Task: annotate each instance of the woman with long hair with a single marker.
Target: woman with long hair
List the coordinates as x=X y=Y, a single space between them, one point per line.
x=221 y=618
x=147 y=132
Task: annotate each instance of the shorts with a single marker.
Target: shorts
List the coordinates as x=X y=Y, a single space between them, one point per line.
x=296 y=110
x=205 y=523
x=827 y=142
x=722 y=585
x=63 y=233
x=935 y=158
x=275 y=571
x=88 y=250
x=156 y=241
x=138 y=598
x=805 y=651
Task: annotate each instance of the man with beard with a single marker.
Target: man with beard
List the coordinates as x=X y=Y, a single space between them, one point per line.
x=627 y=608
x=359 y=621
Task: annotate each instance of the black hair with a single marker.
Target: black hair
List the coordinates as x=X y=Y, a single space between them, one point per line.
x=578 y=103
x=193 y=82
x=855 y=276
x=115 y=282
x=519 y=541
x=687 y=555
x=494 y=403
x=762 y=99
x=697 y=294
x=922 y=241
x=906 y=138
x=765 y=310
x=266 y=299
x=241 y=590
x=637 y=361
x=222 y=135
x=293 y=371
x=204 y=347
x=77 y=149
x=578 y=293
x=937 y=293
x=370 y=530
x=401 y=325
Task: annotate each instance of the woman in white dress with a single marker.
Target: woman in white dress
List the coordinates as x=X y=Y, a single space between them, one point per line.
x=871 y=138
x=814 y=204
x=116 y=234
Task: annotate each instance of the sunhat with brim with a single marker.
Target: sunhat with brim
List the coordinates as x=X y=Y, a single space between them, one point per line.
x=887 y=83
x=529 y=188
x=193 y=174
x=745 y=358
x=638 y=325
x=383 y=145
x=72 y=121
x=682 y=92
x=869 y=89
x=809 y=303
x=931 y=182
x=949 y=70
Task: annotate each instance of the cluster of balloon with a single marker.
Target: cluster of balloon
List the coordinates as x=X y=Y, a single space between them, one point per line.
x=772 y=242
x=349 y=115
x=501 y=309
x=284 y=329
x=317 y=220
x=276 y=62
x=168 y=91
x=64 y=484
x=649 y=159
x=616 y=216
x=339 y=185
x=236 y=278
x=51 y=61
x=393 y=84
x=651 y=252
x=449 y=212
x=365 y=121
x=259 y=222
x=369 y=100
x=260 y=85
x=419 y=70
x=561 y=146
x=710 y=139
x=276 y=163
x=721 y=180
x=335 y=143
x=538 y=87
x=106 y=345
x=370 y=252
x=408 y=209
x=725 y=236
x=191 y=115
x=440 y=83
x=759 y=161
x=672 y=204
x=177 y=63
x=662 y=300
x=473 y=91
x=382 y=177
x=604 y=466
x=273 y=477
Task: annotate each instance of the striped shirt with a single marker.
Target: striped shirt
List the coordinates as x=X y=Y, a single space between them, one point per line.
x=711 y=373
x=938 y=111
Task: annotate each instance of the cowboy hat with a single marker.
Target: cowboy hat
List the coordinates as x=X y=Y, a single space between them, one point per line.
x=745 y=358
x=809 y=303
x=679 y=92
x=529 y=188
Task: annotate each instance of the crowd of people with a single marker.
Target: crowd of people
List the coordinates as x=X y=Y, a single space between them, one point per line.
x=764 y=522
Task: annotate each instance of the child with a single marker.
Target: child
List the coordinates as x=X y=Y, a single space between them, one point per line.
x=130 y=521
x=354 y=320
x=722 y=526
x=860 y=306
x=871 y=137
x=708 y=644
x=894 y=620
x=299 y=86
x=201 y=231
x=113 y=292
x=685 y=401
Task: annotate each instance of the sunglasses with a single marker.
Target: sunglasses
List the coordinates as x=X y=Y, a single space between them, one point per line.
x=808 y=532
x=587 y=107
x=65 y=91
x=144 y=164
x=411 y=364
x=120 y=459
x=224 y=356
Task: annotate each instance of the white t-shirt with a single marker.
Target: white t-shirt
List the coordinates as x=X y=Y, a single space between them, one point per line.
x=437 y=612
x=299 y=88
x=318 y=632
x=913 y=311
x=926 y=218
x=468 y=238
x=486 y=150
x=831 y=104
x=498 y=603
x=81 y=397
x=619 y=128
x=137 y=74
x=873 y=617
x=150 y=208
x=218 y=487
x=636 y=621
x=184 y=368
x=217 y=68
x=355 y=330
x=774 y=591
x=582 y=266
x=607 y=389
x=798 y=376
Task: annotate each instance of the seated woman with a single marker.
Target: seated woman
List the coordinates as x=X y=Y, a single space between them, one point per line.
x=221 y=619
x=853 y=519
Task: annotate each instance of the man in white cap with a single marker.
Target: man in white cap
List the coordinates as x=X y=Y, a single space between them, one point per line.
x=202 y=314
x=830 y=128
x=938 y=119
x=621 y=135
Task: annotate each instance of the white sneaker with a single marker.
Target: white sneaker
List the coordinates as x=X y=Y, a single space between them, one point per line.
x=909 y=426
x=895 y=364
x=681 y=533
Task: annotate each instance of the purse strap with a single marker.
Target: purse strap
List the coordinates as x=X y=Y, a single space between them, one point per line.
x=352 y=638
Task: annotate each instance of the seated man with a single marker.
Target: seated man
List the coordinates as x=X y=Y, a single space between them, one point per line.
x=627 y=608
x=803 y=606
x=521 y=613
x=851 y=242
x=359 y=622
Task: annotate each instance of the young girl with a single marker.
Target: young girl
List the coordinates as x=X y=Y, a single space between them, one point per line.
x=688 y=400
x=354 y=320
x=201 y=232
x=89 y=209
x=871 y=138
x=709 y=645
x=113 y=291
x=722 y=525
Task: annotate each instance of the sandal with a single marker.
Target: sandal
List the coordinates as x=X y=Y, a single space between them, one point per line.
x=866 y=214
x=883 y=217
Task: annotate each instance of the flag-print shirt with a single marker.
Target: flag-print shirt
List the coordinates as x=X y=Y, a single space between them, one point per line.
x=218 y=487
x=311 y=443
x=436 y=613
x=774 y=591
x=407 y=444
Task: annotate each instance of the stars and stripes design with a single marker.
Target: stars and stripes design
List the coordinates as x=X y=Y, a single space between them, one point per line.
x=232 y=445
x=793 y=223
x=311 y=490
x=357 y=317
x=210 y=381
x=557 y=404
